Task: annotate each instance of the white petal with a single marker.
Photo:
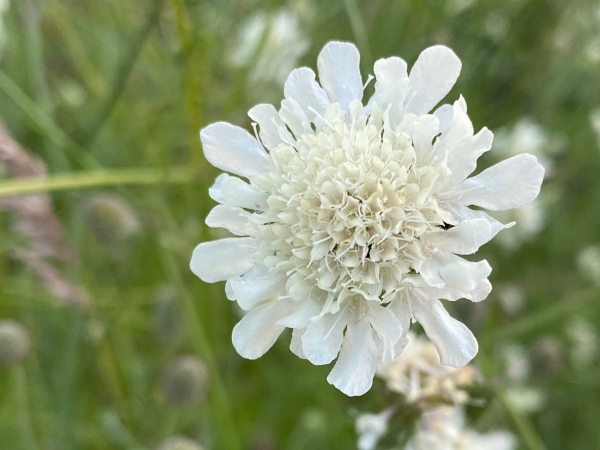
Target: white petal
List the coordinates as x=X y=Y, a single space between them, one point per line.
x=422 y=130
x=228 y=217
x=339 y=73
x=214 y=191
x=400 y=307
x=236 y=192
x=323 y=338
x=391 y=87
x=453 y=340
x=431 y=78
x=463 y=239
x=296 y=343
x=462 y=159
x=430 y=271
x=269 y=122
x=295 y=118
x=355 y=368
x=256 y=333
x=387 y=327
x=464 y=213
x=445 y=114
x=256 y=286
x=468 y=279
x=460 y=127
x=218 y=260
x=303 y=312
x=302 y=87
x=234 y=150
x=509 y=184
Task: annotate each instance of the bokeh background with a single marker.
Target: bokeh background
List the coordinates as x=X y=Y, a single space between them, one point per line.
x=103 y=192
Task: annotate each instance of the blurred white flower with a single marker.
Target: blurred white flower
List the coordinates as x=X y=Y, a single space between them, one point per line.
x=517 y=370
x=419 y=375
x=512 y=297
x=588 y=263
x=270 y=46
x=529 y=137
x=595 y=121
x=444 y=429
x=15 y=342
x=357 y=214
x=179 y=443
x=584 y=342
x=370 y=428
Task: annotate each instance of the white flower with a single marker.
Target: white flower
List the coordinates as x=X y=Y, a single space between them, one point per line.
x=595 y=121
x=371 y=428
x=353 y=219
x=270 y=46
x=444 y=429
x=418 y=374
x=588 y=262
x=526 y=136
x=584 y=340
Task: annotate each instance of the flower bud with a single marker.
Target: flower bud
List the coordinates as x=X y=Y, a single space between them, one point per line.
x=169 y=326
x=111 y=219
x=14 y=342
x=179 y=443
x=184 y=381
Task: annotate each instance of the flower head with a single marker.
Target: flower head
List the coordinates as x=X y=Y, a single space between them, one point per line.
x=418 y=374
x=444 y=429
x=370 y=428
x=354 y=215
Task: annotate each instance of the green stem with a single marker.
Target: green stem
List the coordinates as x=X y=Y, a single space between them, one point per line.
x=553 y=312
x=87 y=137
x=221 y=404
x=19 y=380
x=96 y=178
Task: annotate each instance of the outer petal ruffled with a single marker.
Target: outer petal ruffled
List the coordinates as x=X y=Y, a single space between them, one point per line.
x=228 y=217
x=215 y=191
x=509 y=184
x=467 y=278
x=302 y=87
x=453 y=340
x=236 y=192
x=296 y=342
x=256 y=333
x=256 y=286
x=323 y=338
x=387 y=327
x=391 y=87
x=355 y=368
x=269 y=122
x=234 y=150
x=463 y=239
x=431 y=78
x=219 y=260
x=339 y=73
x=462 y=159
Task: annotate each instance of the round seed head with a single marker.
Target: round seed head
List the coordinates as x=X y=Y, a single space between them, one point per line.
x=14 y=342
x=184 y=381
x=111 y=219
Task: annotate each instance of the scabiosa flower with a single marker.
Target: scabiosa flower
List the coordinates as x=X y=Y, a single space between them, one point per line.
x=444 y=429
x=353 y=215
x=370 y=428
x=419 y=376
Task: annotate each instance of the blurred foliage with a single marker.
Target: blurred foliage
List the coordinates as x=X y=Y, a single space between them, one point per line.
x=113 y=84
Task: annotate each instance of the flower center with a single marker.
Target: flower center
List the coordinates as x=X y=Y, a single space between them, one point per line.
x=346 y=209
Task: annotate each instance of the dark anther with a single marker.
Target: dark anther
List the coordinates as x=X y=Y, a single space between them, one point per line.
x=446 y=226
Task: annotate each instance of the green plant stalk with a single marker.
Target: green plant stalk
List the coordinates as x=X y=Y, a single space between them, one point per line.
x=553 y=312
x=86 y=137
x=524 y=425
x=19 y=381
x=94 y=179
x=360 y=33
x=191 y=86
x=218 y=394
x=43 y=123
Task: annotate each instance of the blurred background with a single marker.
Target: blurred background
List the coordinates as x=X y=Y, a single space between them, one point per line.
x=107 y=341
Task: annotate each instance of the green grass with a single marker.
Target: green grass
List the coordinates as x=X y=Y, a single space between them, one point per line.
x=146 y=75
